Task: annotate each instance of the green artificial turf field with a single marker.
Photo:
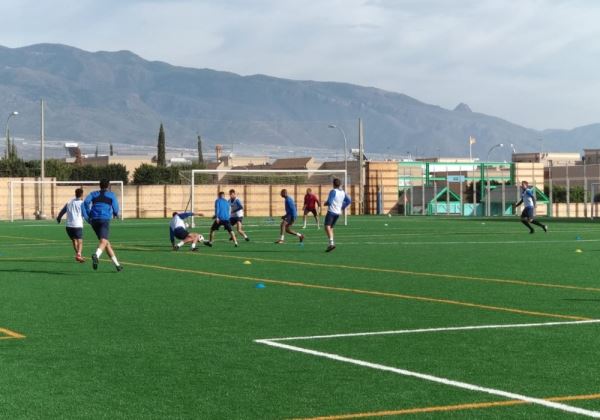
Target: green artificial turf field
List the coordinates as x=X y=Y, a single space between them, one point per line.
x=189 y=335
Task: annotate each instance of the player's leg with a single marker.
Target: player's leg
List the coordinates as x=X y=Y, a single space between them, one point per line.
x=304 y=219
x=229 y=228
x=330 y=220
x=543 y=226
x=314 y=212
x=282 y=228
x=213 y=229
x=79 y=250
x=112 y=255
x=239 y=227
x=525 y=218
x=289 y=230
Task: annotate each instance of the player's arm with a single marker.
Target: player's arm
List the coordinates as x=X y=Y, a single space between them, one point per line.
x=61 y=214
x=347 y=201
x=172 y=235
x=85 y=207
x=330 y=198
x=115 y=206
x=518 y=203
x=217 y=211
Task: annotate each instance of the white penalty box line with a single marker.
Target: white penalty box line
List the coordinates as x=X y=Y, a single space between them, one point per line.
x=279 y=343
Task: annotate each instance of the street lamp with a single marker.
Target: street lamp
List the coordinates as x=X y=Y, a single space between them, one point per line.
x=492 y=148
x=14 y=113
x=345 y=154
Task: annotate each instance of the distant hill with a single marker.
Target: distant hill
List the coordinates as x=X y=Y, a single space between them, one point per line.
x=119 y=97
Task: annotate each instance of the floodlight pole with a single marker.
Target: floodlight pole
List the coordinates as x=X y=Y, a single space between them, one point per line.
x=14 y=113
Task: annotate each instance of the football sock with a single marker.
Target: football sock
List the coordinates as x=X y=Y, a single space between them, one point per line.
x=535 y=222
x=193 y=245
x=114 y=260
x=180 y=244
x=282 y=237
x=331 y=241
x=526 y=223
x=298 y=234
x=98 y=252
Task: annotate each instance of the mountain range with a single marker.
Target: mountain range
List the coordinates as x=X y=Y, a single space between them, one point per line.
x=118 y=97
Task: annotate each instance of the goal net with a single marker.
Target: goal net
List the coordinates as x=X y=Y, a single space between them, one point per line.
x=259 y=189
x=35 y=199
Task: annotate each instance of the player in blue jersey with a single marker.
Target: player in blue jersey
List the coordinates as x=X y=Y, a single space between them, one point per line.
x=222 y=216
x=74 y=222
x=288 y=218
x=178 y=229
x=98 y=208
x=528 y=200
x=336 y=202
x=237 y=213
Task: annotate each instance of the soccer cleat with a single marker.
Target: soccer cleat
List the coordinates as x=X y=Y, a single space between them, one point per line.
x=235 y=244
x=279 y=241
x=79 y=258
x=208 y=243
x=176 y=247
x=330 y=248
x=301 y=238
x=119 y=268
x=247 y=239
x=545 y=227
x=94 y=262
x=194 y=249
x=531 y=231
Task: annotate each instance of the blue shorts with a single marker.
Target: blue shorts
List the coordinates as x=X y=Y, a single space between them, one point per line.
x=75 y=233
x=102 y=228
x=330 y=219
x=528 y=213
x=225 y=223
x=235 y=219
x=181 y=233
x=289 y=219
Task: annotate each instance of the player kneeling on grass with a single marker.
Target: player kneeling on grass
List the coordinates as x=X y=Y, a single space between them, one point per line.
x=336 y=202
x=288 y=219
x=222 y=216
x=74 y=222
x=178 y=229
x=98 y=208
x=528 y=200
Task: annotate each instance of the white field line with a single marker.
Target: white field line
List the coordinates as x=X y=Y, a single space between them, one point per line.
x=441 y=329
x=276 y=342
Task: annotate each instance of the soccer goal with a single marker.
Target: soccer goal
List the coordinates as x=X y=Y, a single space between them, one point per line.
x=259 y=189
x=35 y=199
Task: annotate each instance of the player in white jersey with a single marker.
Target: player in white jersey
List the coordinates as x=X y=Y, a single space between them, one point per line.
x=178 y=229
x=237 y=214
x=336 y=202
x=528 y=200
x=74 y=222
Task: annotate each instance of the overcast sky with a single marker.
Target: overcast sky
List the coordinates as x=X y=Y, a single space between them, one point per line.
x=532 y=62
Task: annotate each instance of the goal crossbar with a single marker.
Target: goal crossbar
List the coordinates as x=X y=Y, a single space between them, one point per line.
x=340 y=172
x=13 y=182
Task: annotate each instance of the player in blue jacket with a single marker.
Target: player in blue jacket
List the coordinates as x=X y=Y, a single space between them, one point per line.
x=288 y=219
x=337 y=201
x=98 y=208
x=222 y=216
x=528 y=200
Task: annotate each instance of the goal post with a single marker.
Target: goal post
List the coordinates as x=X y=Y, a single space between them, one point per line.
x=33 y=193
x=263 y=177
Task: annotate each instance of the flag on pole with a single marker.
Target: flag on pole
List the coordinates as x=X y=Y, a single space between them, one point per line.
x=472 y=140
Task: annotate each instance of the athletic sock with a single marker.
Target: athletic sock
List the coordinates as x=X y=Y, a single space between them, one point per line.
x=282 y=237
x=331 y=241
x=98 y=252
x=180 y=244
x=114 y=260
x=193 y=246
x=535 y=222
x=526 y=223
x=298 y=234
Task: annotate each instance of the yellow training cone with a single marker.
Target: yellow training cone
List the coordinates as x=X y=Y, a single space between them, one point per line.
x=247 y=262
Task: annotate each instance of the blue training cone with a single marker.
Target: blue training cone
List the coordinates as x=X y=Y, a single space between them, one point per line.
x=260 y=286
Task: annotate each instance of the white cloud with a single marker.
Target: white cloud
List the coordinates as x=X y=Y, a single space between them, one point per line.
x=534 y=62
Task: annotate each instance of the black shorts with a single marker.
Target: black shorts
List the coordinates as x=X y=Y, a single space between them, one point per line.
x=528 y=213
x=75 y=233
x=289 y=219
x=330 y=219
x=181 y=233
x=235 y=219
x=225 y=223
x=102 y=228
x=313 y=211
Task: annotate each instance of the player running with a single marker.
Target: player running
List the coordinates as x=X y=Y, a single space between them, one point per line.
x=336 y=202
x=98 y=209
x=237 y=213
x=222 y=216
x=288 y=219
x=528 y=200
x=311 y=203
x=74 y=222
x=178 y=229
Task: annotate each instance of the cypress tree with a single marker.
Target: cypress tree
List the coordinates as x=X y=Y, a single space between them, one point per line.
x=161 y=159
x=111 y=149
x=200 y=155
